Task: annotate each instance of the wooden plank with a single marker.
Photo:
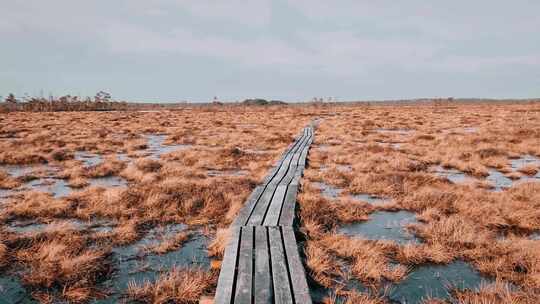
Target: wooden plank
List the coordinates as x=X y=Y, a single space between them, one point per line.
x=279 y=163
x=295 y=143
x=272 y=215
x=272 y=173
x=226 y=278
x=280 y=276
x=245 y=267
x=290 y=175
x=289 y=205
x=244 y=213
x=257 y=216
x=303 y=157
x=262 y=263
x=296 y=179
x=296 y=269
x=283 y=169
x=263 y=280
x=287 y=161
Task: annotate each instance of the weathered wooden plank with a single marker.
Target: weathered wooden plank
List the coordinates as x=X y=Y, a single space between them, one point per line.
x=262 y=263
x=279 y=163
x=288 y=211
x=245 y=267
x=286 y=162
x=296 y=179
x=296 y=142
x=272 y=215
x=257 y=216
x=280 y=276
x=226 y=278
x=244 y=213
x=290 y=175
x=263 y=280
x=296 y=269
x=282 y=170
x=303 y=157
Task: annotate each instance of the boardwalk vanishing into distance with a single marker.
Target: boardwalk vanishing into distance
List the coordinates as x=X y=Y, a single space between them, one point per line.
x=261 y=262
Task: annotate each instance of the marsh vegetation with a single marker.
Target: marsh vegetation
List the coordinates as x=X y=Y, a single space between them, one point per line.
x=423 y=203
x=458 y=205
x=127 y=206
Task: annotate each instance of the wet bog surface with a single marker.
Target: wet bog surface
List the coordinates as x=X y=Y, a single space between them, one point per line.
x=135 y=264
x=157 y=147
x=453 y=175
x=434 y=281
x=372 y=199
x=498 y=180
x=384 y=225
x=12 y=291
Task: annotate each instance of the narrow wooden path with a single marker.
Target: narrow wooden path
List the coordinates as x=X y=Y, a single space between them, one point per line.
x=261 y=262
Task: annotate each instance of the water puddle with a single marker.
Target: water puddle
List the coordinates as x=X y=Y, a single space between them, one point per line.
x=342 y=168
x=328 y=191
x=255 y=151
x=31 y=227
x=453 y=175
x=227 y=173
x=88 y=159
x=12 y=291
x=124 y=157
x=526 y=160
x=108 y=182
x=501 y=182
x=54 y=186
x=133 y=264
x=319 y=293
x=156 y=146
x=395 y=131
x=433 y=281
x=372 y=199
x=470 y=130
x=498 y=180
x=384 y=225
x=323 y=147
x=43 y=178
x=5 y=193
x=16 y=171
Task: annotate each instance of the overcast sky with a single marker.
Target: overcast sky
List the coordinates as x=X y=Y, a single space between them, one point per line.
x=170 y=50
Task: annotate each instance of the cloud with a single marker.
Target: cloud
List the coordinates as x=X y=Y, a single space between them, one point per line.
x=260 y=51
x=343 y=41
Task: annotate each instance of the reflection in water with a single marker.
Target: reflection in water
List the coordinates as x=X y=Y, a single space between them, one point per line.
x=328 y=191
x=384 y=225
x=156 y=146
x=88 y=159
x=433 y=281
x=11 y=291
x=372 y=199
x=453 y=175
x=134 y=265
x=498 y=180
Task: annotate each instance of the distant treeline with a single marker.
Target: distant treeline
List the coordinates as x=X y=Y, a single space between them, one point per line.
x=101 y=102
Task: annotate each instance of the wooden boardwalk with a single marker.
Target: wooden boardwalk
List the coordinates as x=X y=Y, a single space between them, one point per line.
x=261 y=262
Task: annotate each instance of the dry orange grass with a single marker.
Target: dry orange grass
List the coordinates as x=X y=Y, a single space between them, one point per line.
x=176 y=188
x=185 y=286
x=392 y=152
x=378 y=149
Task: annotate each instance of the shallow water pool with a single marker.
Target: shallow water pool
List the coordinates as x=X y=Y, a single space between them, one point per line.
x=433 y=281
x=384 y=225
